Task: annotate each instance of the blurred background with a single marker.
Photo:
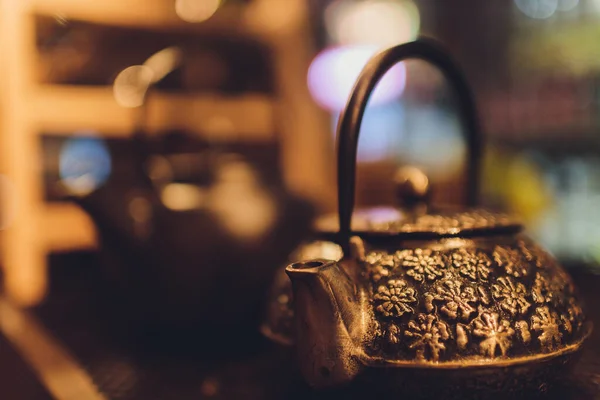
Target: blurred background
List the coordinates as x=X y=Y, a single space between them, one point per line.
x=84 y=85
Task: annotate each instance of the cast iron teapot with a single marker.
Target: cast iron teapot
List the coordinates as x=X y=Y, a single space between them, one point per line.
x=455 y=297
x=190 y=232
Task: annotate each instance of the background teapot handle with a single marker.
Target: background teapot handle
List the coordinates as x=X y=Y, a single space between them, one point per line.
x=352 y=115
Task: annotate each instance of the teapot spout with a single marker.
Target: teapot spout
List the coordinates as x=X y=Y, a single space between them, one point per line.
x=328 y=322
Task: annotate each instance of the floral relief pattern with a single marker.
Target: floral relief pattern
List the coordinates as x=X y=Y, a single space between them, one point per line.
x=428 y=334
x=545 y=323
x=436 y=304
x=422 y=264
x=455 y=297
x=495 y=333
x=379 y=264
x=473 y=265
x=511 y=295
x=511 y=260
x=395 y=298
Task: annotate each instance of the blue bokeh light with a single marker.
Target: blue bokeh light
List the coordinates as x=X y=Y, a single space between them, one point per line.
x=85 y=163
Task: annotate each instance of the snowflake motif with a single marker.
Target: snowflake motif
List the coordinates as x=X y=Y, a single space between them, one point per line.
x=511 y=260
x=511 y=296
x=428 y=334
x=422 y=264
x=546 y=323
x=472 y=265
x=496 y=334
x=456 y=299
x=393 y=300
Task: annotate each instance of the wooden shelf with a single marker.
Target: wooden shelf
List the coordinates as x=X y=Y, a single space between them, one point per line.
x=147 y=14
x=28 y=109
x=64 y=109
x=66 y=227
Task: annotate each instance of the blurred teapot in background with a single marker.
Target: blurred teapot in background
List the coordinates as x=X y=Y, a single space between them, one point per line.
x=192 y=240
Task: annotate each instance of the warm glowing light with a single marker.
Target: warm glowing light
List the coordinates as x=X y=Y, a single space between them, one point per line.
x=131 y=85
x=196 y=10
x=334 y=71
x=240 y=203
x=84 y=164
x=538 y=9
x=163 y=62
x=377 y=22
x=183 y=196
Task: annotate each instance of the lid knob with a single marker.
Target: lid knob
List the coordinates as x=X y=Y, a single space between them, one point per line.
x=412 y=187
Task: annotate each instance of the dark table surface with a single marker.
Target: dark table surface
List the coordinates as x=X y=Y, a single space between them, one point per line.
x=157 y=365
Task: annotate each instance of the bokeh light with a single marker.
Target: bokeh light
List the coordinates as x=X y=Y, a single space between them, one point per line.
x=84 y=164
x=196 y=10
x=334 y=71
x=131 y=85
x=376 y=22
x=164 y=62
x=538 y=9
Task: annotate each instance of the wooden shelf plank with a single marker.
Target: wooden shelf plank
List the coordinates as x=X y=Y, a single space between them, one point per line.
x=66 y=227
x=149 y=14
x=65 y=109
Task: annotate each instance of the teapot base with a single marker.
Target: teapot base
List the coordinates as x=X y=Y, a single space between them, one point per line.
x=520 y=379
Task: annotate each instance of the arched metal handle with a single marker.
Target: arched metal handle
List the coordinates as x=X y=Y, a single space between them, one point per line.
x=351 y=119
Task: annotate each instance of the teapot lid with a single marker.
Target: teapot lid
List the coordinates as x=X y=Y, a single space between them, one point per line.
x=391 y=221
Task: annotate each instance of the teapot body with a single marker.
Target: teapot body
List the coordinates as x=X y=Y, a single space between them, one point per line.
x=497 y=311
x=460 y=302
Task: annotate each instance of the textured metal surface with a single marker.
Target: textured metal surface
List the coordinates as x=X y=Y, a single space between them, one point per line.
x=389 y=221
x=447 y=304
x=479 y=302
